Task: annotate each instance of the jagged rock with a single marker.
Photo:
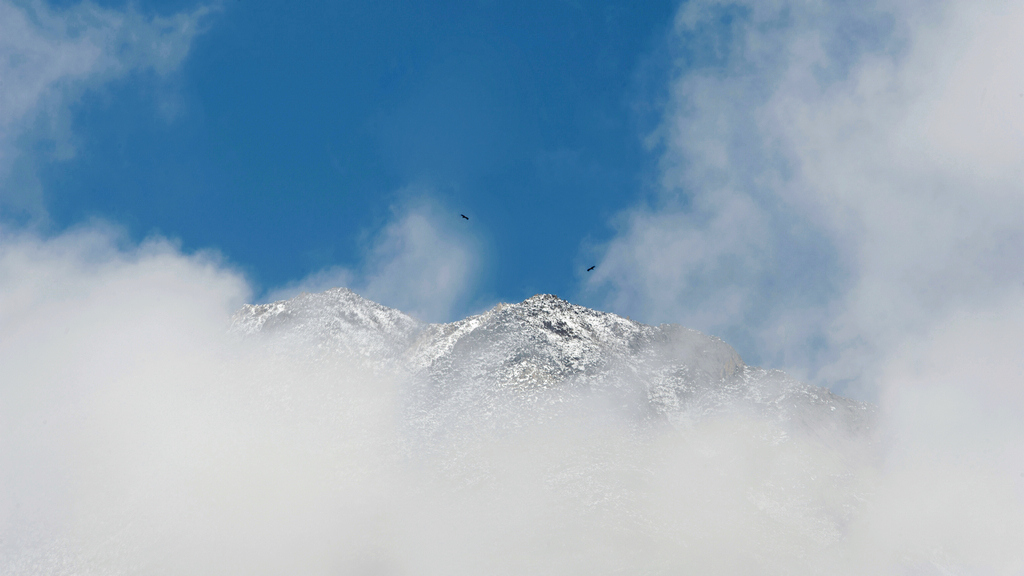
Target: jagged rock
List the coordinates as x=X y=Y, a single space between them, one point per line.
x=339 y=320
x=545 y=352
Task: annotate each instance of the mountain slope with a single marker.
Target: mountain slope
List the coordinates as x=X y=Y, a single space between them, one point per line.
x=338 y=319
x=543 y=355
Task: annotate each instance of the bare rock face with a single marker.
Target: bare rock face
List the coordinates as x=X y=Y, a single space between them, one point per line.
x=545 y=356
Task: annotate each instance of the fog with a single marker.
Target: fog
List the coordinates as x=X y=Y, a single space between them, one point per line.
x=139 y=436
x=416 y=263
x=839 y=181
x=841 y=197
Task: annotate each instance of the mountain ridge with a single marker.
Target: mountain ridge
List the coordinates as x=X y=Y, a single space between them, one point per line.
x=546 y=351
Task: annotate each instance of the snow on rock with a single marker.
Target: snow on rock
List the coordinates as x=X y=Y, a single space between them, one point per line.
x=543 y=353
x=338 y=319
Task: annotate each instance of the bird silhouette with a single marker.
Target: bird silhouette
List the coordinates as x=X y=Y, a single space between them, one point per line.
x=464 y=216
x=591 y=268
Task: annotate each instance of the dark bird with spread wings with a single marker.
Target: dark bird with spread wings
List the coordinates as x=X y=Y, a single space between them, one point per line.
x=464 y=216
x=591 y=268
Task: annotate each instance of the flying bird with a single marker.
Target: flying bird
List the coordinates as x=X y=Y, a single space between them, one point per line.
x=464 y=216
x=591 y=268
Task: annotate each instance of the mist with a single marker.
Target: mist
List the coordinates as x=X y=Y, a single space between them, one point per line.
x=139 y=435
x=840 y=182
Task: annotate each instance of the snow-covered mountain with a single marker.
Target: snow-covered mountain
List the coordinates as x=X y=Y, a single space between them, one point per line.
x=337 y=319
x=545 y=356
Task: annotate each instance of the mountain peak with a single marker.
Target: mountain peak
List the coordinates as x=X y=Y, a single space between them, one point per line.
x=544 y=347
x=543 y=298
x=338 y=317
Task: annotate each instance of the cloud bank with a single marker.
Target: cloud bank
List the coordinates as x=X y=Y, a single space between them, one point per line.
x=137 y=435
x=839 y=181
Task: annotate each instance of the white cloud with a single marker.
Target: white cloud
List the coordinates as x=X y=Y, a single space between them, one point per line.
x=843 y=198
x=137 y=435
x=839 y=179
x=49 y=57
x=423 y=262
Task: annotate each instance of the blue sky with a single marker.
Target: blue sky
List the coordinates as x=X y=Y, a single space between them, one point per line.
x=833 y=187
x=286 y=136
x=824 y=185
